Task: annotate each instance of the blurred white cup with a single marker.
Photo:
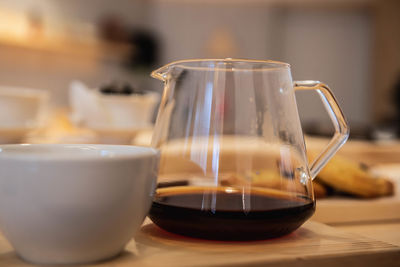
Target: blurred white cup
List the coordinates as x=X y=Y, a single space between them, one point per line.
x=96 y=110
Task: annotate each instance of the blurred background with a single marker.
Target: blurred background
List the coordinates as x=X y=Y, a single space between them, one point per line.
x=352 y=45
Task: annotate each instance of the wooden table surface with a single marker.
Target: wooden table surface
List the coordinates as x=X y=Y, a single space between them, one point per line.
x=311 y=245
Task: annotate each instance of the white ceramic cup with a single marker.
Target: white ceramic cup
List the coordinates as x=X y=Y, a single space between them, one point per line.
x=67 y=204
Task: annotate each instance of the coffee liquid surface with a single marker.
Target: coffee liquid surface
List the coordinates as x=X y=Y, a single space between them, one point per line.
x=223 y=215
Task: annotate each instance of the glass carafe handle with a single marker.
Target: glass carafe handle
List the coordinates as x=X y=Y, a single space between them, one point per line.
x=338 y=120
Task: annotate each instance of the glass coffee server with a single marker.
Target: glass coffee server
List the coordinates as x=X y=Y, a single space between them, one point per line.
x=233 y=158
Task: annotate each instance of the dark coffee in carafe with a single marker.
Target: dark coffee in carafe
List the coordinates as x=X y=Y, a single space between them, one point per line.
x=222 y=215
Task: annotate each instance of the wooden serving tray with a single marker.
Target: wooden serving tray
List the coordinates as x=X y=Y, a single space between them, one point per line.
x=314 y=243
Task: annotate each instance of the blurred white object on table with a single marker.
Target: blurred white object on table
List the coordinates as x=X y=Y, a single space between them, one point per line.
x=115 y=118
x=21 y=110
x=96 y=110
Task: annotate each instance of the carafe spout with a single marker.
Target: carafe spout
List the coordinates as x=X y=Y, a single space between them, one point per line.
x=160 y=73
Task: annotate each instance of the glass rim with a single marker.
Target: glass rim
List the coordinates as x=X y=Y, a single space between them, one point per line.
x=194 y=64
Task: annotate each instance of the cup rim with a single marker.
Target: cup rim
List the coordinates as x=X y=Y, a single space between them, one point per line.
x=70 y=152
x=147 y=96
